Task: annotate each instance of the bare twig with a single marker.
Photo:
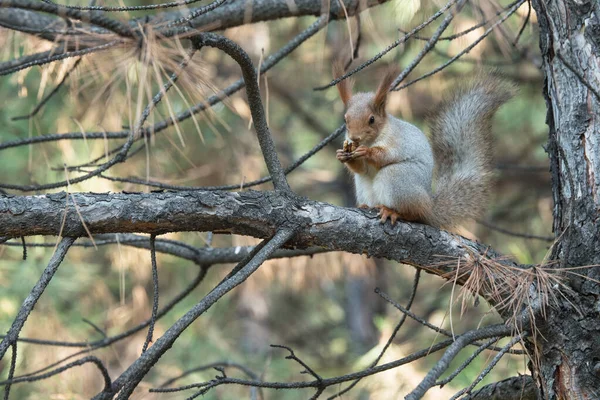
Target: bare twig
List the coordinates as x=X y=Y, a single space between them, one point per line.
x=431 y=326
x=461 y=341
x=487 y=370
x=41 y=104
x=466 y=363
x=127 y=382
x=428 y=46
x=326 y=382
x=488 y=224
x=82 y=361
x=95 y=327
x=413 y=294
x=155 y=293
x=525 y=22
x=520 y=387
x=293 y=356
x=318 y=147
x=510 y=12
x=24 y=248
x=392 y=46
x=11 y=371
x=60 y=56
x=13 y=333
x=195 y=14
x=256 y=107
x=222 y=364
x=200 y=256
x=146 y=7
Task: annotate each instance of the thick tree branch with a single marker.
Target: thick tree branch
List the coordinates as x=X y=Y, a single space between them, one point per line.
x=232 y=13
x=569 y=32
x=41 y=25
x=520 y=387
x=236 y=12
x=251 y=213
x=99 y=20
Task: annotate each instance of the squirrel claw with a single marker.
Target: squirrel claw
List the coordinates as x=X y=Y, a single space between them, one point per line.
x=386 y=213
x=363 y=206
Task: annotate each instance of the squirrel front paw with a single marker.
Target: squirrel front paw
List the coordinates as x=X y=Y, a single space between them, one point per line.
x=347 y=152
x=343 y=156
x=361 y=151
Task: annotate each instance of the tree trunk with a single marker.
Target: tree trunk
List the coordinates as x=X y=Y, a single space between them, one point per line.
x=569 y=344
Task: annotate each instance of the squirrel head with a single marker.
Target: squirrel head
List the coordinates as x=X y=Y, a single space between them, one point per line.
x=365 y=114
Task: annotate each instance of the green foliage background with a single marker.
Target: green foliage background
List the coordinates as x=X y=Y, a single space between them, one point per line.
x=306 y=301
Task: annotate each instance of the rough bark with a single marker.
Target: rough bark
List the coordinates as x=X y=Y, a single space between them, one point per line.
x=232 y=13
x=569 y=350
x=516 y=388
x=238 y=12
x=252 y=213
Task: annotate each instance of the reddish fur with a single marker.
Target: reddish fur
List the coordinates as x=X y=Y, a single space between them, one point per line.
x=460 y=140
x=376 y=157
x=386 y=213
x=345 y=86
x=380 y=100
x=359 y=110
x=359 y=129
x=357 y=166
x=417 y=211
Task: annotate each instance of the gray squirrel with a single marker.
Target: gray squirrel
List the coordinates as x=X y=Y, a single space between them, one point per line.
x=393 y=162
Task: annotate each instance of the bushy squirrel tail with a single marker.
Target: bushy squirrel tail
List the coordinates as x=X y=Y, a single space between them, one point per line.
x=462 y=147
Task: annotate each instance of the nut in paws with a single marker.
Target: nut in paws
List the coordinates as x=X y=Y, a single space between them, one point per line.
x=349 y=146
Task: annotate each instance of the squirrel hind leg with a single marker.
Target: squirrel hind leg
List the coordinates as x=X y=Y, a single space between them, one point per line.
x=393 y=215
x=386 y=212
x=417 y=211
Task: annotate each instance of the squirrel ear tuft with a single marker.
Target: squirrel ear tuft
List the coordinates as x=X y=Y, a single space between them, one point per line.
x=345 y=86
x=380 y=100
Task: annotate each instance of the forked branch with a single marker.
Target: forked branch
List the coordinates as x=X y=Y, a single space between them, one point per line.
x=128 y=381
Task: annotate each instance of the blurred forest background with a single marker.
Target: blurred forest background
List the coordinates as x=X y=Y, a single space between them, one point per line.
x=321 y=306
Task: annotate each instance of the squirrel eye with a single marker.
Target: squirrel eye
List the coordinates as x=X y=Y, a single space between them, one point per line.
x=371 y=120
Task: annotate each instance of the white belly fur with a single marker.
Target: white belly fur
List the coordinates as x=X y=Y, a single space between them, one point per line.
x=363 y=185
x=406 y=179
